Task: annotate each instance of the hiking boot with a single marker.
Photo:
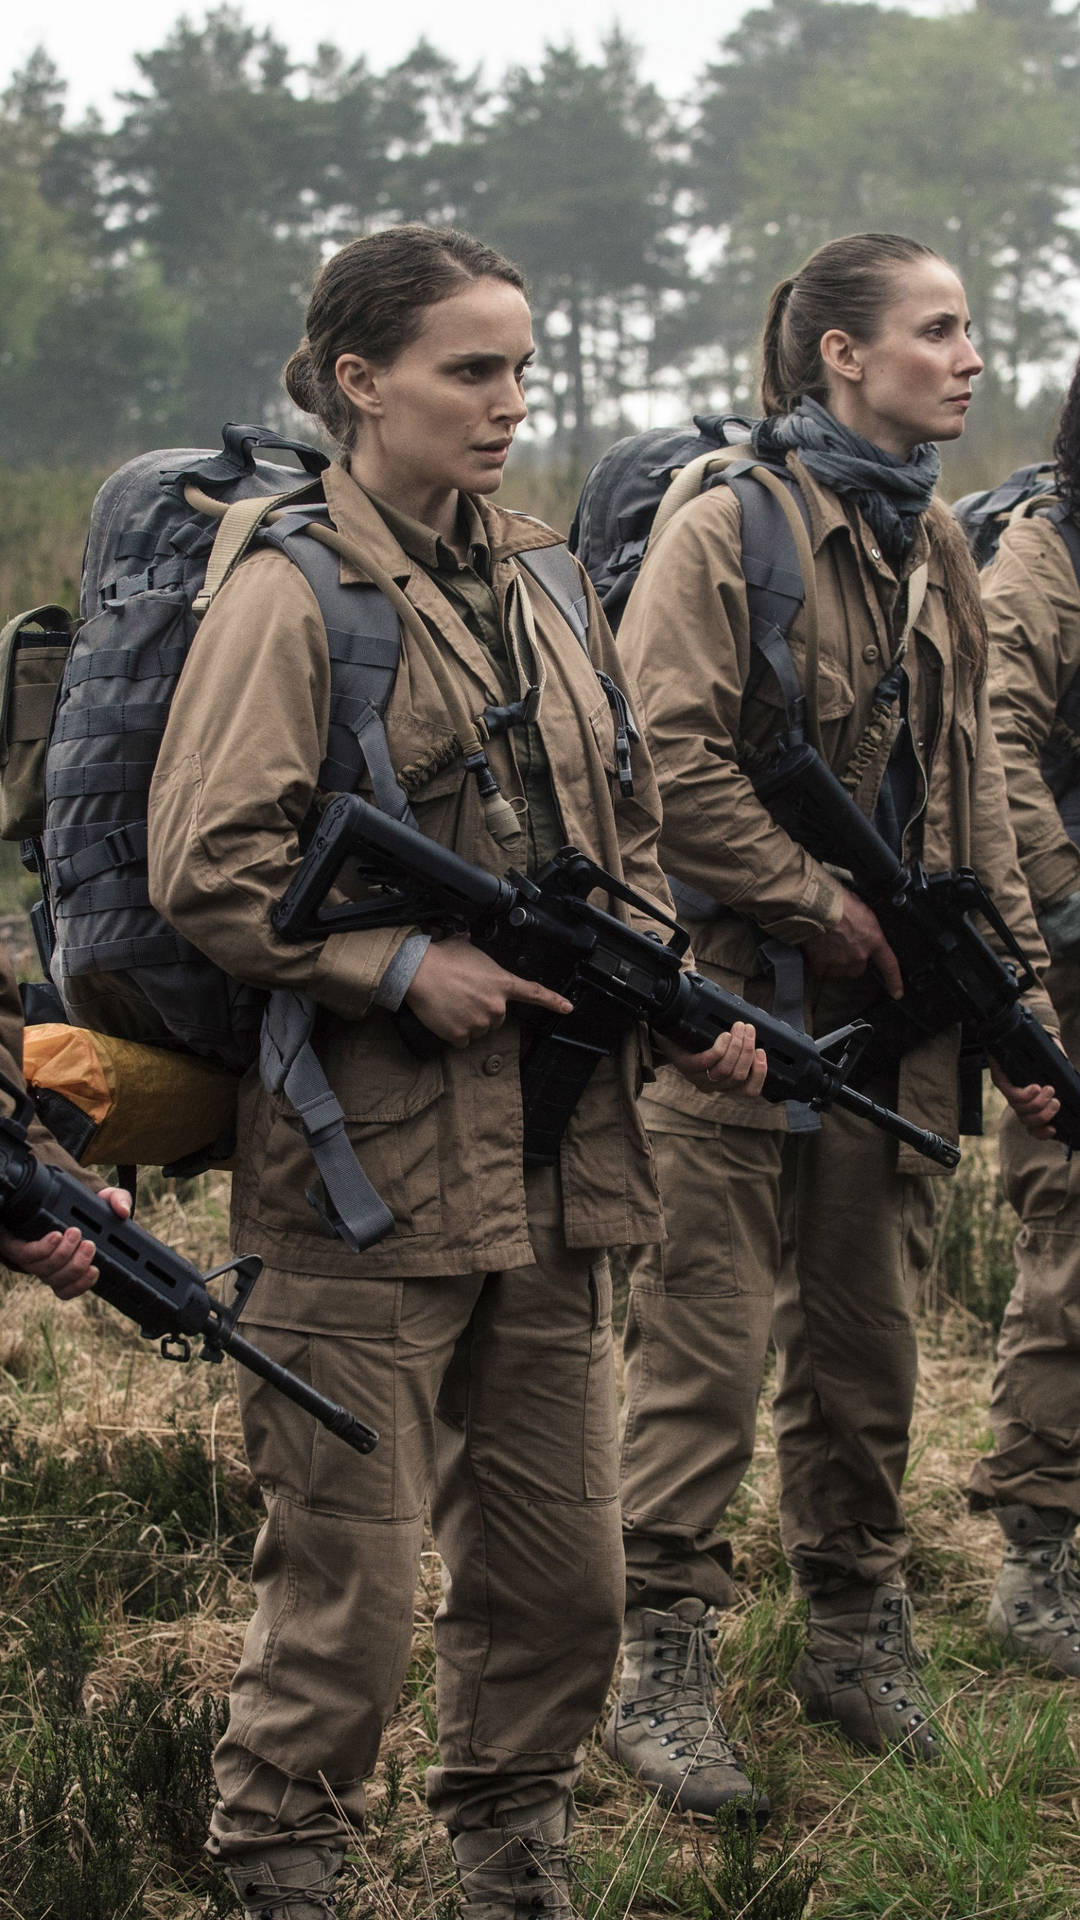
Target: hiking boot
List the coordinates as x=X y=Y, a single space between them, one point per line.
x=1035 y=1606
x=292 y=1884
x=518 y=1869
x=859 y=1669
x=666 y=1726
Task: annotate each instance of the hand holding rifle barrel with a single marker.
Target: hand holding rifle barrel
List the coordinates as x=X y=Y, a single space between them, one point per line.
x=166 y=1297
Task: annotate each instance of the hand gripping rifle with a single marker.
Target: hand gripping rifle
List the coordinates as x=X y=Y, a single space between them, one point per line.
x=548 y=930
x=952 y=976
x=165 y=1296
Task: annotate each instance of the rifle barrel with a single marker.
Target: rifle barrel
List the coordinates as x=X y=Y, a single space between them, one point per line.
x=338 y=1419
x=932 y=1145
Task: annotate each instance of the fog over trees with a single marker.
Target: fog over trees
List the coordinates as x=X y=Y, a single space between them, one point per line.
x=155 y=272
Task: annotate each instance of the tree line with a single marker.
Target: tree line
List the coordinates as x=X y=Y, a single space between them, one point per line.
x=155 y=271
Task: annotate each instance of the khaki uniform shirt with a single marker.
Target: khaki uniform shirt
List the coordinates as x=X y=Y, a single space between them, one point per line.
x=440 y=1139
x=1032 y=605
x=685 y=638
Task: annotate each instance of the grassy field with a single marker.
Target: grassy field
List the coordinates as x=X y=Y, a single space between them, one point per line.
x=127 y=1516
x=126 y=1521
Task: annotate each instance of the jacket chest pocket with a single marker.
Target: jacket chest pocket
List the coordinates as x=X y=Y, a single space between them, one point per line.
x=602 y=728
x=764 y=715
x=391 y=1107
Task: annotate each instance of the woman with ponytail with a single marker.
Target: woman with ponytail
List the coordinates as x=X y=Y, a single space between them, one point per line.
x=816 y=1230
x=1030 y=1477
x=476 y=1336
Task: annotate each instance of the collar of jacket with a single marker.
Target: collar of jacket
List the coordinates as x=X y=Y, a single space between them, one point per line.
x=828 y=516
x=362 y=525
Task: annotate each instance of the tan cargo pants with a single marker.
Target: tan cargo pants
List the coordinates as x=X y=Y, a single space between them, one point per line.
x=494 y=1397
x=1035 y=1404
x=817 y=1237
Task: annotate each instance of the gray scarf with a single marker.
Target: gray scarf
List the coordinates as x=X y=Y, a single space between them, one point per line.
x=889 y=493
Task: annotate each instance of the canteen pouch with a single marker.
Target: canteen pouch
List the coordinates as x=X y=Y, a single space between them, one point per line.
x=33 y=649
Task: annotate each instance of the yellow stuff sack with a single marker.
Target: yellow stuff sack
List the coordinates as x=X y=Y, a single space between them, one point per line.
x=118 y=1103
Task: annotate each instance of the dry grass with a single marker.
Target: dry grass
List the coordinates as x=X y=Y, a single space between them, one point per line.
x=73 y=1377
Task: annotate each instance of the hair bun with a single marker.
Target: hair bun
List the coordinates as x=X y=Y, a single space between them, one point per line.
x=300 y=381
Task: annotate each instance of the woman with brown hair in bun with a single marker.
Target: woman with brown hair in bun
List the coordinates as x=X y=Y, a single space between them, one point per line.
x=476 y=1337
x=819 y=1235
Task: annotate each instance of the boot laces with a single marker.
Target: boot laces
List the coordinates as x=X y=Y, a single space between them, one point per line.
x=1063 y=1568
x=1060 y=1568
x=897 y=1635
x=691 y=1720
x=549 y=1862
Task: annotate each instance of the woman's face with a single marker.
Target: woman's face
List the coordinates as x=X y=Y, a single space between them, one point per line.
x=441 y=417
x=912 y=382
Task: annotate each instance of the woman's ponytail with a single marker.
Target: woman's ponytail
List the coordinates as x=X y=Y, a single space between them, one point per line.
x=776 y=396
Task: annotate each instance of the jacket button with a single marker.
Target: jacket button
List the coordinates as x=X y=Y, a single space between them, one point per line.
x=875 y=553
x=493 y=1063
x=870 y=653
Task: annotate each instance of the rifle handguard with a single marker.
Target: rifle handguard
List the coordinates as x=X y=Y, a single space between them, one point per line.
x=145 y=1280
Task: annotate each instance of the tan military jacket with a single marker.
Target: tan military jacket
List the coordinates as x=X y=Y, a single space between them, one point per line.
x=441 y=1139
x=1032 y=608
x=685 y=639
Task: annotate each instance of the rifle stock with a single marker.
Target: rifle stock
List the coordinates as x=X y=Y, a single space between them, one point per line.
x=548 y=929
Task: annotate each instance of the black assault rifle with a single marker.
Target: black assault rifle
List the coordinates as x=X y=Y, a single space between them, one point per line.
x=548 y=930
x=165 y=1295
x=952 y=976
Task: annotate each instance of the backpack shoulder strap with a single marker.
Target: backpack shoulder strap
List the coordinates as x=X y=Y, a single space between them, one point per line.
x=1070 y=533
x=363 y=635
x=778 y=567
x=777 y=564
x=240 y=523
x=555 y=569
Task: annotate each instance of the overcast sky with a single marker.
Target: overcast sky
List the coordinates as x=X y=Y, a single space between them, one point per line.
x=92 y=40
